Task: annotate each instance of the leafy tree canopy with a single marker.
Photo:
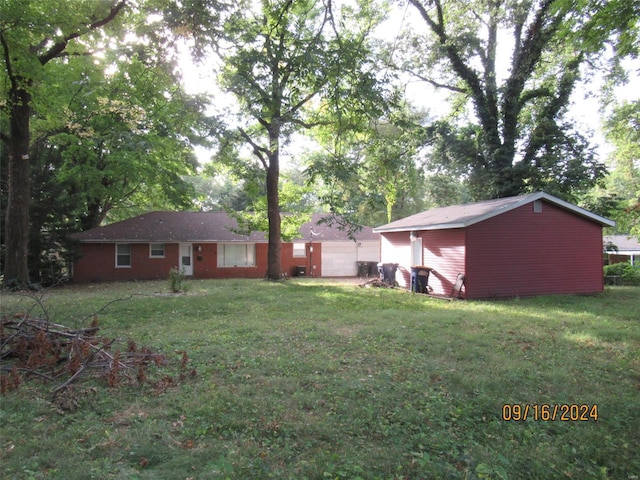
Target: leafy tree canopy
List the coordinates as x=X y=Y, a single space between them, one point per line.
x=34 y=35
x=619 y=197
x=284 y=61
x=108 y=128
x=517 y=63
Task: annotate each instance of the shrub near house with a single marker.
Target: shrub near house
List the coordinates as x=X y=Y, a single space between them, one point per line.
x=628 y=274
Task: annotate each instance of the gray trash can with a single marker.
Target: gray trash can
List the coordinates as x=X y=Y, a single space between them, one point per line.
x=387 y=272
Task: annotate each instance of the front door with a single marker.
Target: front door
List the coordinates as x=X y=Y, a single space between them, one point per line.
x=186 y=259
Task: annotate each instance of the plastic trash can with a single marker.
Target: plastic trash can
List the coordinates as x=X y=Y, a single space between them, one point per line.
x=419 y=278
x=387 y=272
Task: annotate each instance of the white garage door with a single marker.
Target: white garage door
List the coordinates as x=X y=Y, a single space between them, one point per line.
x=339 y=259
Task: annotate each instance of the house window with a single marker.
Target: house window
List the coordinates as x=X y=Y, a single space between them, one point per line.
x=156 y=250
x=123 y=255
x=299 y=250
x=236 y=255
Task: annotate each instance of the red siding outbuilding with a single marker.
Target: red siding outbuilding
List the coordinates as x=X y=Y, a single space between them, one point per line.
x=519 y=246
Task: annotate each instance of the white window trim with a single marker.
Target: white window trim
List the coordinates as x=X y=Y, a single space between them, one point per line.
x=221 y=247
x=116 y=256
x=299 y=253
x=164 y=251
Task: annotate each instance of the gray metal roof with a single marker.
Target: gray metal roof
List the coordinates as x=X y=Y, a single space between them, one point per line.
x=163 y=227
x=461 y=216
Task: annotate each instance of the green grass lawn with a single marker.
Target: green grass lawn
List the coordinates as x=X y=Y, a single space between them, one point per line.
x=307 y=379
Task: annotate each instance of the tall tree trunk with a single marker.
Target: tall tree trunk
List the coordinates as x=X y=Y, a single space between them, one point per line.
x=274 y=268
x=19 y=172
x=16 y=268
x=498 y=107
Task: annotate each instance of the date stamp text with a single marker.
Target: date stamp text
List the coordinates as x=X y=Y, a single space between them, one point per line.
x=548 y=412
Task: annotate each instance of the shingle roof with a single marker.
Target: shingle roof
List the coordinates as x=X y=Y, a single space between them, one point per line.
x=318 y=230
x=460 y=216
x=165 y=227
x=625 y=244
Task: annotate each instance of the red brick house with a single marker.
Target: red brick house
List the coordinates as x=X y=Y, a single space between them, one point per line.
x=204 y=245
x=527 y=245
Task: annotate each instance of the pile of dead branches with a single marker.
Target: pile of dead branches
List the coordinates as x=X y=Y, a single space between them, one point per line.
x=378 y=283
x=37 y=348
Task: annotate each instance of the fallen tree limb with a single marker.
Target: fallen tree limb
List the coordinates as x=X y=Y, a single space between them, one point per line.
x=35 y=347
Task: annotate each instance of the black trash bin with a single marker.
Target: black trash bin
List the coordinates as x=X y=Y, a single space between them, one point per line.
x=363 y=269
x=367 y=269
x=419 y=278
x=373 y=268
x=301 y=271
x=387 y=272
